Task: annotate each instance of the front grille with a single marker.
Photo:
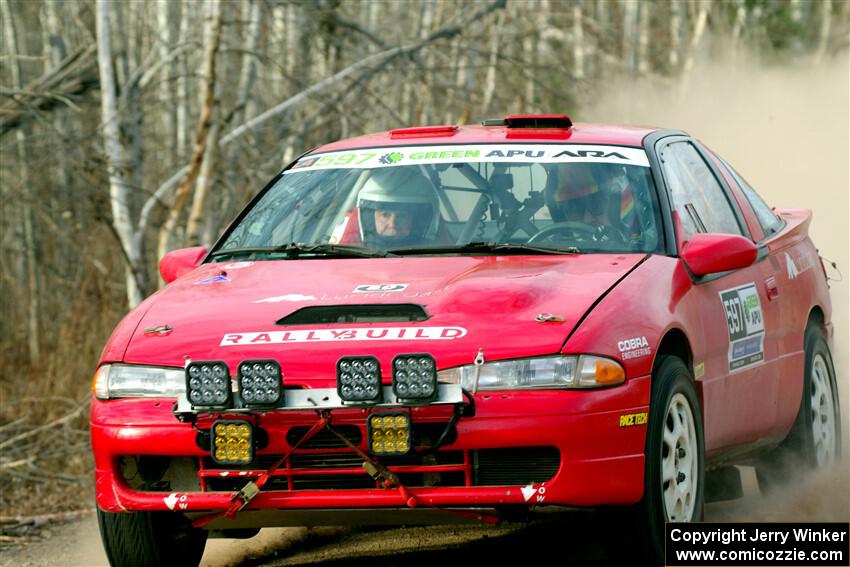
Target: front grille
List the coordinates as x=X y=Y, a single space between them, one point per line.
x=424 y=434
x=324 y=462
x=325 y=439
x=309 y=470
x=516 y=466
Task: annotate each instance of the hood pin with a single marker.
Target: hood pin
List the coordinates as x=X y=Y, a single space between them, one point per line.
x=548 y=318
x=159 y=330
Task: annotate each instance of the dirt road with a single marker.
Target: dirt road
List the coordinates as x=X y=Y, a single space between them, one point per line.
x=576 y=539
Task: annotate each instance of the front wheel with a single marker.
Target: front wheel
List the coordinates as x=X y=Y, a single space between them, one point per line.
x=150 y=539
x=674 y=473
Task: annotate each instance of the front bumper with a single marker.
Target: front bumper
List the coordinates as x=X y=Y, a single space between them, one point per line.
x=600 y=461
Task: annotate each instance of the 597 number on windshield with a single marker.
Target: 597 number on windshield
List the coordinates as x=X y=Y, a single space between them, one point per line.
x=344 y=159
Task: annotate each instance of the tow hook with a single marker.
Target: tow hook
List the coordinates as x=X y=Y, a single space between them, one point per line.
x=245 y=495
x=379 y=473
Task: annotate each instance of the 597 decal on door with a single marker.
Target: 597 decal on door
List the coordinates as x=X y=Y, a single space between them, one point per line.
x=745 y=322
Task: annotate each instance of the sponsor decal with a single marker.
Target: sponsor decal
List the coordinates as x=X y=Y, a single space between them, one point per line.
x=391 y=158
x=238 y=265
x=793 y=270
x=406 y=155
x=380 y=288
x=632 y=419
x=745 y=323
x=593 y=153
x=344 y=335
x=213 y=280
x=699 y=370
x=636 y=347
x=288 y=297
x=303 y=163
x=529 y=492
x=175 y=500
x=374 y=294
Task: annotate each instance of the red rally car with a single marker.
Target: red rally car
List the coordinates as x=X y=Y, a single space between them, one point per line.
x=449 y=324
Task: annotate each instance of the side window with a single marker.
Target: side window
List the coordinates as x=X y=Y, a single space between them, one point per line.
x=770 y=223
x=695 y=193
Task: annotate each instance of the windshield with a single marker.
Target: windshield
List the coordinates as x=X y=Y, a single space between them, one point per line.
x=441 y=199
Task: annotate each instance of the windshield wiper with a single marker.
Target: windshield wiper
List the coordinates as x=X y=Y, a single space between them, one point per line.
x=297 y=249
x=485 y=247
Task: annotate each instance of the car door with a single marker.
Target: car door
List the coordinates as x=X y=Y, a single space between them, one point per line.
x=788 y=257
x=739 y=397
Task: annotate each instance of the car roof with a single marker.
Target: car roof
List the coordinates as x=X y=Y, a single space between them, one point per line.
x=579 y=133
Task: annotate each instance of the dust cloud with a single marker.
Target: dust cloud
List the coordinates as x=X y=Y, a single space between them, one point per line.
x=786 y=129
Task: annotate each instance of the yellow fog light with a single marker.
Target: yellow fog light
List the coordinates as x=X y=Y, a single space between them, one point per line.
x=232 y=442
x=389 y=433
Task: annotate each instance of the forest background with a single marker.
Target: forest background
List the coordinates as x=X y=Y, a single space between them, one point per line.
x=128 y=129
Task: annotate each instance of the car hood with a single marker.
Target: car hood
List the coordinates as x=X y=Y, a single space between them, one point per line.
x=229 y=311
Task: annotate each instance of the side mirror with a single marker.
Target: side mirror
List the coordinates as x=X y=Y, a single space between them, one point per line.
x=179 y=262
x=713 y=253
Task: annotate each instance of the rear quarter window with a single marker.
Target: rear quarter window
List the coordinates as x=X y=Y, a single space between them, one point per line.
x=770 y=223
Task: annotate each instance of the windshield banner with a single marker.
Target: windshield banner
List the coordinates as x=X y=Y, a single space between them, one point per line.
x=505 y=153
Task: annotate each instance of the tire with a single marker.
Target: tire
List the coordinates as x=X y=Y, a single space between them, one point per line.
x=150 y=539
x=814 y=442
x=674 y=474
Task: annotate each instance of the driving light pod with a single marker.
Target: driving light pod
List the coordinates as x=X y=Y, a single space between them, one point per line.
x=358 y=379
x=415 y=377
x=259 y=382
x=389 y=433
x=232 y=442
x=208 y=384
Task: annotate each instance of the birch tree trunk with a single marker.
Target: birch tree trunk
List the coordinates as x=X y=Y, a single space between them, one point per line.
x=825 y=26
x=167 y=24
x=630 y=15
x=675 y=34
x=208 y=73
x=182 y=112
x=119 y=190
x=643 y=37
x=699 y=29
x=27 y=216
x=209 y=166
x=578 y=42
x=490 y=81
x=54 y=52
x=249 y=62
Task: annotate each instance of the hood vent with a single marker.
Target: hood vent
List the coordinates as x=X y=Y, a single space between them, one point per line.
x=379 y=313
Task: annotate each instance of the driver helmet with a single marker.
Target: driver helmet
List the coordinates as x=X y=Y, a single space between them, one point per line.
x=398 y=207
x=584 y=191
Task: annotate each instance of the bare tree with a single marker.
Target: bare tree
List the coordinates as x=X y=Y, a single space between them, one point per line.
x=184 y=190
x=115 y=150
x=23 y=150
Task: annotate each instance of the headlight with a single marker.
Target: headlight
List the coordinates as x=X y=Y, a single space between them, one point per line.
x=125 y=381
x=583 y=371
